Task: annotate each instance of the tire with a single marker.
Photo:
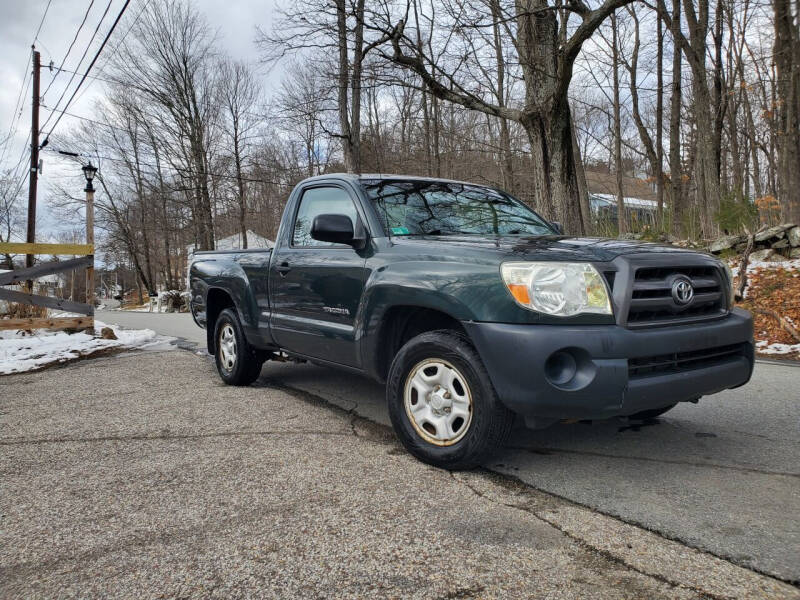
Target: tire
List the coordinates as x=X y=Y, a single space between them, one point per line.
x=646 y=415
x=237 y=362
x=436 y=379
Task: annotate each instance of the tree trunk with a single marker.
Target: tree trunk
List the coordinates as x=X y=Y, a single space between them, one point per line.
x=622 y=217
x=751 y=128
x=787 y=63
x=343 y=86
x=720 y=102
x=506 y=161
x=706 y=168
x=349 y=84
x=675 y=167
x=583 y=190
x=659 y=173
x=546 y=116
x=237 y=159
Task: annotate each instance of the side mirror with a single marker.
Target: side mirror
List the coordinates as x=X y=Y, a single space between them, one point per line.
x=558 y=227
x=337 y=229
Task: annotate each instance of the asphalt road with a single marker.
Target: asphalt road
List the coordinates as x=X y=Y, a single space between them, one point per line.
x=122 y=477
x=722 y=475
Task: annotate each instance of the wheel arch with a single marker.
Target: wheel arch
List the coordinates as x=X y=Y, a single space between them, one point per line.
x=398 y=324
x=217 y=300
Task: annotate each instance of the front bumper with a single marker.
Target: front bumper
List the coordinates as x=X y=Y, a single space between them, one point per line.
x=530 y=381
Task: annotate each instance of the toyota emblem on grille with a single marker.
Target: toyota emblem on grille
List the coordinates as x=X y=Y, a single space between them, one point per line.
x=682 y=291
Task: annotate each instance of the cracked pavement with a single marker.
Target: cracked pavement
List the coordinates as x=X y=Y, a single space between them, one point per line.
x=141 y=475
x=722 y=475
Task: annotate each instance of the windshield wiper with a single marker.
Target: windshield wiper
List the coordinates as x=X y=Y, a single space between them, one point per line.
x=450 y=232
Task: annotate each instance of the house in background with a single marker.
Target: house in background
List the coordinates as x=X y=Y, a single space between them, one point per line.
x=639 y=196
x=234 y=242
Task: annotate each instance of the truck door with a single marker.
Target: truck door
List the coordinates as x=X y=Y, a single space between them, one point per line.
x=315 y=287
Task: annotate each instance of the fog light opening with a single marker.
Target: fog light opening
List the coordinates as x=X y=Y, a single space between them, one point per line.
x=561 y=367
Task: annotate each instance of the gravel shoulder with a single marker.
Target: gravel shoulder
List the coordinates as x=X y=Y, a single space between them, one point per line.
x=143 y=476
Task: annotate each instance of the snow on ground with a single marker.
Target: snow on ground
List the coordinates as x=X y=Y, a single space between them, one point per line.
x=763 y=347
x=19 y=352
x=789 y=265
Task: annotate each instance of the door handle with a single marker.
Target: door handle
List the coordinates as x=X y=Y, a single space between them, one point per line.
x=283 y=268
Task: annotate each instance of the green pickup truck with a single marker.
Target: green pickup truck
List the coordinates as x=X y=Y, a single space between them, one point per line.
x=472 y=309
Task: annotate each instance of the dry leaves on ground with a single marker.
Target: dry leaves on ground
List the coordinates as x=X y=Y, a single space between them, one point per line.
x=775 y=289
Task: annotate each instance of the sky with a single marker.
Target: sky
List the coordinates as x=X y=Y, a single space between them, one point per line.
x=234 y=21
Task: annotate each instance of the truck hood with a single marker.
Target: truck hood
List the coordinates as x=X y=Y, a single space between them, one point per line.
x=549 y=247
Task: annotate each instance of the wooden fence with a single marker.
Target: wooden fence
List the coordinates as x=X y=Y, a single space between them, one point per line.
x=86 y=260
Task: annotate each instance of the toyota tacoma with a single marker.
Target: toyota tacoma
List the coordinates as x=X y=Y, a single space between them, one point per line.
x=472 y=309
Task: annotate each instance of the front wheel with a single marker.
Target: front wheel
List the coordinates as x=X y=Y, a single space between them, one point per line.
x=442 y=404
x=237 y=362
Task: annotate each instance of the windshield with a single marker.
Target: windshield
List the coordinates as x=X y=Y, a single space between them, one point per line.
x=446 y=208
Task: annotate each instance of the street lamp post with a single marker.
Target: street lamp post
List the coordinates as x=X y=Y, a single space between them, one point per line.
x=89 y=172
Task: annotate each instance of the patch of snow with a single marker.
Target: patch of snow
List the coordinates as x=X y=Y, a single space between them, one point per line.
x=764 y=347
x=20 y=352
x=789 y=265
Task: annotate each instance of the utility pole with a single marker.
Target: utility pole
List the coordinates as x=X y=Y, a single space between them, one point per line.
x=34 y=171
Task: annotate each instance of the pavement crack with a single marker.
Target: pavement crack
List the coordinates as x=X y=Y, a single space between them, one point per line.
x=167 y=436
x=369 y=429
x=586 y=545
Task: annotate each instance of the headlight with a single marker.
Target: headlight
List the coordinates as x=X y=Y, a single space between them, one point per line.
x=731 y=287
x=557 y=288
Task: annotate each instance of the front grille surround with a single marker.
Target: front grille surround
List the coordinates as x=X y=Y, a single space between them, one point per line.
x=641 y=287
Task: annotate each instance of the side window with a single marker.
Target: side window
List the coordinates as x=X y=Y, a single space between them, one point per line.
x=320 y=201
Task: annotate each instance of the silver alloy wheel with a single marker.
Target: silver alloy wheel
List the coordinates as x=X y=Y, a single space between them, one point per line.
x=227 y=347
x=438 y=402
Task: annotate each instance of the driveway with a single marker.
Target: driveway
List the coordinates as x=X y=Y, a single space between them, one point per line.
x=142 y=476
x=722 y=475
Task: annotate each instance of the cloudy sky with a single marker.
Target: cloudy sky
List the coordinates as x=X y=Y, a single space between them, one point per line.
x=233 y=20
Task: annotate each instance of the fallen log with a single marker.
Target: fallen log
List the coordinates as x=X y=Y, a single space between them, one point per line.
x=785 y=325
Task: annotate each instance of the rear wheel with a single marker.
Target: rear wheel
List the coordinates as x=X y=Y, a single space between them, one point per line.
x=442 y=404
x=237 y=362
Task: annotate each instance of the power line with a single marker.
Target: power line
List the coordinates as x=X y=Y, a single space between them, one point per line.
x=17 y=114
x=39 y=29
x=89 y=68
x=24 y=174
x=74 y=39
x=80 y=62
x=190 y=172
x=119 y=43
x=79 y=117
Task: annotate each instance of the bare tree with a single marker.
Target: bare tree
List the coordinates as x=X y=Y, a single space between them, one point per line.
x=169 y=62
x=695 y=49
x=787 y=64
x=622 y=220
x=675 y=164
x=303 y=108
x=546 y=47
x=10 y=214
x=239 y=95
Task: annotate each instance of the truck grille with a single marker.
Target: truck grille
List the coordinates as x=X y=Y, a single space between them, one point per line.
x=655 y=301
x=677 y=362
